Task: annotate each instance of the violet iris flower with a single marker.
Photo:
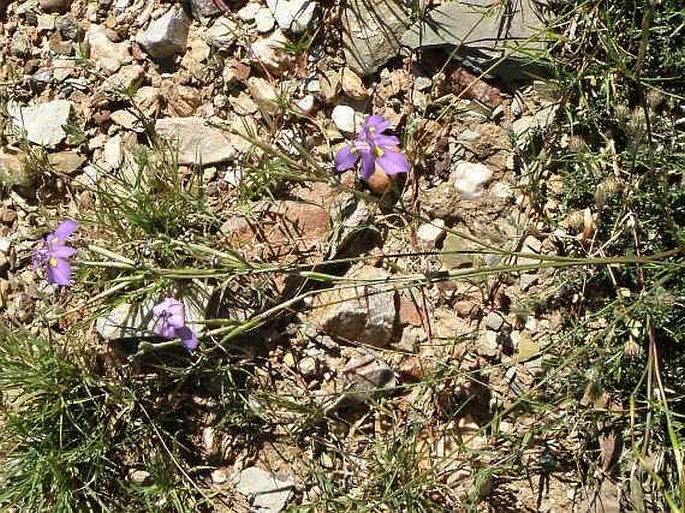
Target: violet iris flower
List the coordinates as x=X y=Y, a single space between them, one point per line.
x=171 y=323
x=54 y=255
x=373 y=148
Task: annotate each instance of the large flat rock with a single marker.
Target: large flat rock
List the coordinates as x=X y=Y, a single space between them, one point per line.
x=371 y=33
x=481 y=31
x=196 y=141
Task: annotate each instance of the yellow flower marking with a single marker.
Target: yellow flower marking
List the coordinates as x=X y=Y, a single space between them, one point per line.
x=52 y=262
x=378 y=151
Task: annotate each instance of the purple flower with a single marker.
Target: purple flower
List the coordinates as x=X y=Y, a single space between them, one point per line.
x=54 y=255
x=171 y=323
x=373 y=148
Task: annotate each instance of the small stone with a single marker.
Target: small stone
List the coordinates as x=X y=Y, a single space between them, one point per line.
x=530 y=246
x=469 y=179
x=126 y=79
x=244 y=105
x=113 y=153
x=422 y=83
x=431 y=233
x=202 y=8
x=264 y=20
x=264 y=94
x=167 y=35
x=352 y=85
x=54 y=5
x=68 y=27
x=363 y=314
x=21 y=46
x=42 y=123
x=268 y=492
x=293 y=15
x=308 y=366
x=107 y=55
x=222 y=33
x=66 y=162
x=346 y=119
x=306 y=105
x=219 y=476
x=8 y=216
x=46 y=22
x=329 y=86
x=369 y=374
x=127 y=119
x=469 y=135
x=248 y=11
x=271 y=52
x=494 y=321
x=502 y=190
x=197 y=141
x=488 y=346
x=139 y=477
x=148 y=100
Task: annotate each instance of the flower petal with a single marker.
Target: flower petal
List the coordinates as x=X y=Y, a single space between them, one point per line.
x=393 y=162
x=188 y=338
x=163 y=329
x=64 y=229
x=379 y=124
x=60 y=273
x=368 y=166
x=386 y=140
x=63 y=251
x=172 y=311
x=345 y=159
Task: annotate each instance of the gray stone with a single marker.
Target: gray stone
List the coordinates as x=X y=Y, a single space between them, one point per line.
x=365 y=313
x=371 y=33
x=222 y=33
x=127 y=78
x=21 y=46
x=483 y=32
x=369 y=374
x=264 y=20
x=202 y=8
x=494 y=321
x=293 y=15
x=249 y=11
x=196 y=140
x=469 y=135
x=167 y=35
x=54 y=5
x=267 y=492
x=135 y=320
x=42 y=123
x=488 y=346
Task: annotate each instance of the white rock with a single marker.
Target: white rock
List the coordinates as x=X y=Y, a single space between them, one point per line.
x=264 y=94
x=108 y=56
x=113 y=153
x=469 y=179
x=346 y=119
x=222 y=34
x=248 y=12
x=167 y=35
x=293 y=15
x=264 y=20
x=126 y=78
x=196 y=140
x=42 y=123
x=46 y=22
x=306 y=105
x=270 y=52
x=127 y=119
x=432 y=232
x=270 y=493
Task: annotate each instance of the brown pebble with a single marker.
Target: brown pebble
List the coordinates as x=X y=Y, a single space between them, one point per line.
x=8 y=216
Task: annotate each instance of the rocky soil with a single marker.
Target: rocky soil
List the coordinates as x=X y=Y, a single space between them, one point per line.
x=86 y=85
